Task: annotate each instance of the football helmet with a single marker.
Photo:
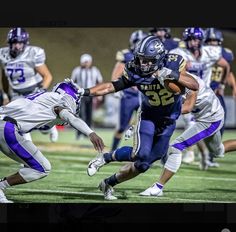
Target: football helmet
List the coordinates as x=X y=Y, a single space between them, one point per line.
x=191 y=33
x=213 y=34
x=135 y=37
x=68 y=87
x=17 y=35
x=154 y=30
x=149 y=55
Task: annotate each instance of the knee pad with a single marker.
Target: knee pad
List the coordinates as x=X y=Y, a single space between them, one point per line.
x=141 y=166
x=30 y=174
x=173 y=162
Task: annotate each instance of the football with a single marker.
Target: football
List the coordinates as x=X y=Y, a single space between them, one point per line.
x=174 y=87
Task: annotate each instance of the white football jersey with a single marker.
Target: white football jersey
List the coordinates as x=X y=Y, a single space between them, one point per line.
x=20 y=71
x=202 y=66
x=207 y=107
x=36 y=110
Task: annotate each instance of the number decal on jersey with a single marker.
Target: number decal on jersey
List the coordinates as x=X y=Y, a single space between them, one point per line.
x=217 y=74
x=163 y=97
x=172 y=57
x=16 y=75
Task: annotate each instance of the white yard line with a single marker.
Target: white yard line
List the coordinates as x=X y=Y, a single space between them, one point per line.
x=100 y=194
x=146 y=174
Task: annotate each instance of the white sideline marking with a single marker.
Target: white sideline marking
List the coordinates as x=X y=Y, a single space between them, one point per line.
x=100 y=194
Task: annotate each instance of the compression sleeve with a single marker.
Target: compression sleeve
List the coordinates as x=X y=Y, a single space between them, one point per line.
x=121 y=83
x=75 y=122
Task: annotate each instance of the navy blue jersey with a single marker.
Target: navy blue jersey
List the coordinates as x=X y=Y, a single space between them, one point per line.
x=157 y=101
x=218 y=71
x=126 y=56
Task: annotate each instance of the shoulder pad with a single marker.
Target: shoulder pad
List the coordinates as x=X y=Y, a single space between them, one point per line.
x=120 y=56
x=182 y=44
x=228 y=50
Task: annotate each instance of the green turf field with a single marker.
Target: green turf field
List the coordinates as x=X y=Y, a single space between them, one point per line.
x=68 y=181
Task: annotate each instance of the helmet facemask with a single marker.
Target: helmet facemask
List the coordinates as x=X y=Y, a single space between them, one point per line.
x=17 y=39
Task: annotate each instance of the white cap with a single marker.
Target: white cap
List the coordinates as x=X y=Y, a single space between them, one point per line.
x=85 y=58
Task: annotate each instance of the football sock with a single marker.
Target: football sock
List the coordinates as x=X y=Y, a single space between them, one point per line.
x=115 y=143
x=4 y=184
x=121 y=154
x=111 y=180
x=160 y=186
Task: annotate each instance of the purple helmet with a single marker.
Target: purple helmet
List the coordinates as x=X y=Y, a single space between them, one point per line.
x=19 y=35
x=193 y=33
x=68 y=87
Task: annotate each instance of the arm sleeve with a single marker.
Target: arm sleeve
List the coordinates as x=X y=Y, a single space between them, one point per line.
x=75 y=122
x=121 y=83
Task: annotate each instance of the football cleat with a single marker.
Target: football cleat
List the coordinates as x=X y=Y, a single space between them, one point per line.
x=107 y=191
x=152 y=191
x=3 y=198
x=95 y=164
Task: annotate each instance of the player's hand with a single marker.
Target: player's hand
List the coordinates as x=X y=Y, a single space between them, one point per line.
x=80 y=91
x=166 y=73
x=97 y=142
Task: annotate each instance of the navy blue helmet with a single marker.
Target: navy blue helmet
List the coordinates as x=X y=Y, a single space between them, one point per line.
x=149 y=55
x=135 y=37
x=17 y=35
x=154 y=30
x=213 y=34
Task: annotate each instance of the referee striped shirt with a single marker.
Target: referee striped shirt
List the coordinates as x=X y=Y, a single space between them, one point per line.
x=86 y=77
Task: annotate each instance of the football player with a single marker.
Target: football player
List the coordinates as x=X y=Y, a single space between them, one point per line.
x=209 y=119
x=24 y=69
x=157 y=115
x=200 y=59
x=38 y=110
x=164 y=34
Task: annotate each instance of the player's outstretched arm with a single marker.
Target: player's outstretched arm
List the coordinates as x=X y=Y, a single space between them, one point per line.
x=80 y=125
x=98 y=90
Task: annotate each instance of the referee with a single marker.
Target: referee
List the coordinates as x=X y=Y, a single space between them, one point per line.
x=86 y=75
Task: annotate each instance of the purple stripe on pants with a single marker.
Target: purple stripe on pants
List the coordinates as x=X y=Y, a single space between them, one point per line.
x=9 y=133
x=196 y=138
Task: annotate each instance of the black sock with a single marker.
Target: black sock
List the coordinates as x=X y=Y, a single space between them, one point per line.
x=112 y=181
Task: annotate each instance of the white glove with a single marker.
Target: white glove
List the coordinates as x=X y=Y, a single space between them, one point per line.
x=166 y=73
x=80 y=90
x=129 y=133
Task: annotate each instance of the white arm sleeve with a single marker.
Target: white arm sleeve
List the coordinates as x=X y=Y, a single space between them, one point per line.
x=75 y=122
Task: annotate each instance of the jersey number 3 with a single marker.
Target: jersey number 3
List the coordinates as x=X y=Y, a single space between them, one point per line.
x=162 y=98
